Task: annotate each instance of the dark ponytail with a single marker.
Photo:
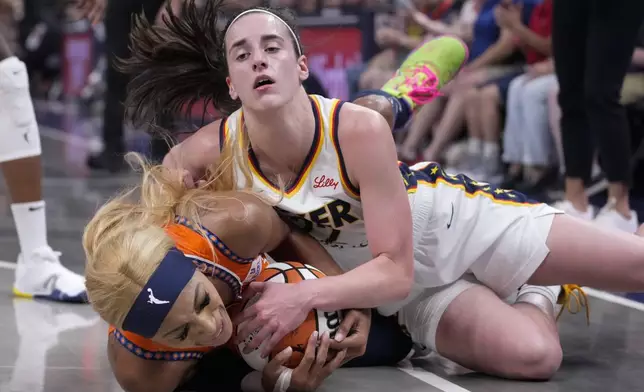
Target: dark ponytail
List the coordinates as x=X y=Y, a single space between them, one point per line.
x=173 y=67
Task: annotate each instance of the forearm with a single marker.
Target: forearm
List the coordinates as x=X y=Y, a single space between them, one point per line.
x=462 y=31
x=528 y=37
x=409 y=42
x=439 y=28
x=377 y=282
x=432 y=26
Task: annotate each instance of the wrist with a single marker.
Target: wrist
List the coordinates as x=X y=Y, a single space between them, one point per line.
x=310 y=293
x=517 y=27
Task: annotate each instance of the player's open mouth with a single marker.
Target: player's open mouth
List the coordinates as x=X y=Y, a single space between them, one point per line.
x=263 y=82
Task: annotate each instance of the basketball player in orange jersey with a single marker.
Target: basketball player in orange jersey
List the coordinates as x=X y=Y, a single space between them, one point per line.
x=440 y=251
x=164 y=263
x=39 y=272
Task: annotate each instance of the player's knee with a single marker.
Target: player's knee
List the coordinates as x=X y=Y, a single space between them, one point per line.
x=538 y=357
x=471 y=96
x=489 y=95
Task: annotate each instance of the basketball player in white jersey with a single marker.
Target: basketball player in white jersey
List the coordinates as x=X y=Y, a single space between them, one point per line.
x=39 y=272
x=441 y=251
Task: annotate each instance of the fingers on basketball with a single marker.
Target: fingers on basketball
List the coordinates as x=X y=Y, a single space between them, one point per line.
x=323 y=351
x=345 y=327
x=299 y=339
x=308 y=358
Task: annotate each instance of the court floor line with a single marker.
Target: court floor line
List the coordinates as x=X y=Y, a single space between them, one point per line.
x=433 y=380
x=7 y=265
x=614 y=298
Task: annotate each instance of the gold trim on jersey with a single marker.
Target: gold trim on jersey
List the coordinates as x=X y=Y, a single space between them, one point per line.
x=350 y=189
x=309 y=160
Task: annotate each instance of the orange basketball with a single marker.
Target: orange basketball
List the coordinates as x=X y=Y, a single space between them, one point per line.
x=292 y=272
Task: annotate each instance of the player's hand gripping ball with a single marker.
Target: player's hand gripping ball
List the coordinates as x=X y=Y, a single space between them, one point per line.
x=291 y=272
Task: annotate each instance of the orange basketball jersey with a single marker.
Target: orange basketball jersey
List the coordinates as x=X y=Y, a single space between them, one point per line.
x=197 y=243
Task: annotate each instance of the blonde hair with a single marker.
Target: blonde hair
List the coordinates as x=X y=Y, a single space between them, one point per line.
x=125 y=241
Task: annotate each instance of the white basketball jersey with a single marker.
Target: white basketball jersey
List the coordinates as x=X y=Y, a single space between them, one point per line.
x=446 y=209
x=321 y=201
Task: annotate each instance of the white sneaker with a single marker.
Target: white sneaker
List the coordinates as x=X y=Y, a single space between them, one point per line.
x=41 y=275
x=567 y=207
x=609 y=217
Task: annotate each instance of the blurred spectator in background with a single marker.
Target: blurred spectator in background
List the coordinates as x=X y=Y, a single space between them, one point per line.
x=459 y=25
x=493 y=55
x=593 y=43
x=307 y=7
x=118 y=24
x=528 y=148
x=396 y=39
x=11 y=12
x=632 y=92
x=483 y=105
x=301 y=7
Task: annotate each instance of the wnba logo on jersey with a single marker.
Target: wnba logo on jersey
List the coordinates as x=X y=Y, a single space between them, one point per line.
x=258 y=266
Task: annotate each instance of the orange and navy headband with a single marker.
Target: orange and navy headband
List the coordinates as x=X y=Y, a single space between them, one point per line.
x=159 y=294
x=267 y=12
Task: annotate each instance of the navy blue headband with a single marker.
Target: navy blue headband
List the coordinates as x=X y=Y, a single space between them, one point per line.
x=159 y=294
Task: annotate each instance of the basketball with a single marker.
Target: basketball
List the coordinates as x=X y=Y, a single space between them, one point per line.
x=291 y=272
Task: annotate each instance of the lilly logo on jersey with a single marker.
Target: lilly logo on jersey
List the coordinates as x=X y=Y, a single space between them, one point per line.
x=324 y=182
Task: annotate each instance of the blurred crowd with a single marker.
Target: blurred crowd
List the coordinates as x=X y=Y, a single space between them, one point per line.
x=499 y=120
